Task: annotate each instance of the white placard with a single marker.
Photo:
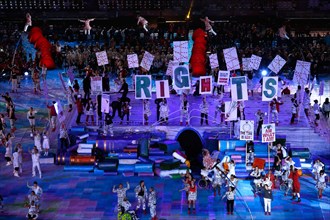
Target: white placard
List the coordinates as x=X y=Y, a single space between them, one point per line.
x=162 y=89
x=269 y=88
x=302 y=72
x=246 y=64
x=231 y=111
x=59 y=111
x=96 y=84
x=246 y=130
x=147 y=60
x=181 y=77
x=231 y=58
x=238 y=88
x=105 y=103
x=255 y=62
x=268 y=133
x=223 y=77
x=180 y=51
x=102 y=58
x=277 y=64
x=205 y=85
x=214 y=63
x=132 y=61
x=170 y=65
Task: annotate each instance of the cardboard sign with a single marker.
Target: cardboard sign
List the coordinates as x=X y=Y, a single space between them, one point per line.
x=255 y=62
x=147 y=60
x=132 y=61
x=105 y=103
x=246 y=64
x=302 y=72
x=231 y=58
x=181 y=77
x=231 y=111
x=223 y=77
x=162 y=89
x=205 y=85
x=180 y=51
x=142 y=87
x=96 y=84
x=238 y=88
x=102 y=58
x=169 y=70
x=268 y=133
x=214 y=63
x=277 y=64
x=246 y=130
x=59 y=111
x=269 y=88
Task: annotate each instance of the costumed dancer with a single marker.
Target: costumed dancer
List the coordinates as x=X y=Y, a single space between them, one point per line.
x=217 y=180
x=141 y=194
x=237 y=127
x=37 y=140
x=12 y=117
x=32 y=119
x=34 y=198
x=9 y=148
x=121 y=193
x=321 y=183
x=256 y=173
x=296 y=184
x=204 y=108
x=307 y=101
x=152 y=201
x=90 y=108
x=35 y=161
x=53 y=115
x=184 y=109
x=32 y=212
x=260 y=120
x=208 y=26
x=108 y=125
x=143 y=22
x=45 y=143
x=146 y=110
x=192 y=197
x=37 y=190
x=126 y=110
x=186 y=182
x=16 y=162
x=20 y=157
x=87 y=27
x=294 y=110
x=288 y=163
x=70 y=97
x=28 y=22
x=163 y=112
x=249 y=152
x=268 y=197
x=275 y=109
x=316 y=109
x=230 y=194
x=317 y=167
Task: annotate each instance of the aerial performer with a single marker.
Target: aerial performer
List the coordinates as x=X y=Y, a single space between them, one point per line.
x=87 y=27
x=28 y=21
x=143 y=22
x=208 y=26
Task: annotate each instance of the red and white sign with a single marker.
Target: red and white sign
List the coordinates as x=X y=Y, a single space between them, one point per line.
x=277 y=64
x=268 y=133
x=214 y=63
x=302 y=72
x=223 y=77
x=231 y=58
x=180 y=51
x=147 y=60
x=102 y=58
x=132 y=61
x=255 y=62
x=162 y=89
x=246 y=130
x=205 y=85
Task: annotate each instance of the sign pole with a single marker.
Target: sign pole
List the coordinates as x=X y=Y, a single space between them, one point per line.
x=269 y=146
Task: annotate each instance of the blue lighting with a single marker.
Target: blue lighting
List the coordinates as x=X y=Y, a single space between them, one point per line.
x=264 y=73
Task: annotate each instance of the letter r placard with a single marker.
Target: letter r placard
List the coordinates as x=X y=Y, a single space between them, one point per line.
x=142 y=87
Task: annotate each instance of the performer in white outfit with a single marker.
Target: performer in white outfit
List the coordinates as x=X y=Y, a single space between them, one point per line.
x=121 y=193
x=87 y=27
x=126 y=204
x=256 y=173
x=143 y=22
x=141 y=194
x=28 y=21
x=45 y=143
x=217 y=180
x=35 y=162
x=321 y=183
x=31 y=116
x=16 y=162
x=208 y=26
x=37 y=141
x=20 y=157
x=9 y=148
x=152 y=201
x=184 y=109
x=37 y=191
x=146 y=110
x=163 y=112
x=317 y=167
x=204 y=108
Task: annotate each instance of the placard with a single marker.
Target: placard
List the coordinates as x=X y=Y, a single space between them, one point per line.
x=96 y=85
x=142 y=87
x=170 y=65
x=269 y=88
x=246 y=64
x=162 y=89
x=180 y=51
x=255 y=62
x=238 y=88
x=268 y=133
x=277 y=64
x=301 y=72
x=181 y=77
x=105 y=103
x=223 y=77
x=147 y=60
x=132 y=61
x=231 y=111
x=59 y=111
x=214 y=63
x=231 y=58
x=205 y=85
x=102 y=58
x=246 y=130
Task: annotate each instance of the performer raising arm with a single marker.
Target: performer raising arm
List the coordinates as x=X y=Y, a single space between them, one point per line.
x=143 y=21
x=87 y=27
x=208 y=26
x=28 y=21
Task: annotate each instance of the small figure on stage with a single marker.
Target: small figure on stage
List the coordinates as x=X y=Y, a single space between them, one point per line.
x=275 y=109
x=220 y=109
x=217 y=180
x=294 y=175
x=249 y=152
x=143 y=22
x=208 y=26
x=45 y=143
x=116 y=106
x=204 y=108
x=87 y=27
x=35 y=155
x=124 y=89
x=53 y=115
x=146 y=110
x=268 y=197
x=126 y=110
x=121 y=194
x=64 y=138
x=152 y=201
x=184 y=109
x=256 y=173
x=141 y=194
x=321 y=183
x=108 y=125
x=163 y=112
x=28 y=21
x=192 y=197
x=31 y=117
x=317 y=167
x=230 y=194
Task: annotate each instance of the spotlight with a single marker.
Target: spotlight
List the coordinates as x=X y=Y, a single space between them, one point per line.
x=264 y=73
x=26 y=73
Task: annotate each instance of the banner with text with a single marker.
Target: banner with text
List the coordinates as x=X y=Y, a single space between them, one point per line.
x=147 y=60
x=223 y=77
x=132 y=61
x=246 y=130
x=268 y=133
x=214 y=63
x=96 y=85
x=231 y=58
x=180 y=51
x=102 y=58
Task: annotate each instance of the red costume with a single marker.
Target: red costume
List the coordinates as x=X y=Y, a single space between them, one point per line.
x=272 y=179
x=52 y=110
x=296 y=184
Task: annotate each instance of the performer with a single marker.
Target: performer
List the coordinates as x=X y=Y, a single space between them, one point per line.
x=70 y=97
x=31 y=117
x=34 y=198
x=307 y=101
x=184 y=109
x=204 y=108
x=208 y=161
x=90 y=108
x=37 y=140
x=45 y=143
x=12 y=117
x=126 y=109
x=143 y=22
x=217 y=180
x=158 y=102
x=192 y=197
x=220 y=108
x=16 y=162
x=35 y=161
x=316 y=109
x=288 y=163
x=163 y=112
x=64 y=138
x=36 y=79
x=53 y=115
x=294 y=108
x=9 y=148
x=28 y=21
x=108 y=125
x=124 y=88
x=152 y=201
x=146 y=110
x=317 y=167
x=275 y=109
x=240 y=110
x=141 y=194
x=230 y=194
x=250 y=152
x=36 y=188
x=260 y=120
x=321 y=183
x=296 y=184
x=121 y=194
x=80 y=109
x=14 y=78
x=32 y=213
x=268 y=197
x=208 y=26
x=256 y=173
x=87 y=27
x=20 y=157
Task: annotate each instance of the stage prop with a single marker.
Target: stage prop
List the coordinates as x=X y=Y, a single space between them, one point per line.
x=302 y=153
x=109 y=165
x=170 y=164
x=181 y=77
x=246 y=64
x=132 y=61
x=214 y=63
x=301 y=72
x=255 y=62
x=238 y=88
x=143 y=87
x=147 y=60
x=169 y=146
x=102 y=58
x=246 y=130
x=162 y=89
x=180 y=51
x=231 y=58
x=198 y=57
x=82 y=160
x=205 y=85
x=277 y=64
x=269 y=88
x=223 y=77
x=260 y=163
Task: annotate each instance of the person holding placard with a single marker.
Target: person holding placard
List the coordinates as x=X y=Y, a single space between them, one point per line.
x=204 y=108
x=275 y=109
x=184 y=109
x=163 y=112
x=146 y=110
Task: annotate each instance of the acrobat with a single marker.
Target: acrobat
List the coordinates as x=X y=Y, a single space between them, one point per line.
x=28 y=21
x=143 y=21
x=282 y=32
x=87 y=27
x=208 y=26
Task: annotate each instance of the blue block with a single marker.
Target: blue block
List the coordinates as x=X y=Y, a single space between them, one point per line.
x=169 y=146
x=297 y=162
x=77 y=168
x=126 y=168
x=143 y=167
x=230 y=144
x=127 y=156
x=91 y=141
x=78 y=129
